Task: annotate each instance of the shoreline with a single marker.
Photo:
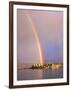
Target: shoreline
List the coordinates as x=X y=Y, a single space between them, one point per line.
x=45 y=66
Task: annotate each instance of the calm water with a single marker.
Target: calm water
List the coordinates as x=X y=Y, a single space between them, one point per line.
x=30 y=74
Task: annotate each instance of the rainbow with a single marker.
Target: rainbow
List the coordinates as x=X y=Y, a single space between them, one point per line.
x=36 y=38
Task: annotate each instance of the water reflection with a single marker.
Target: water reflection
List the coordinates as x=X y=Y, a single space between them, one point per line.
x=33 y=74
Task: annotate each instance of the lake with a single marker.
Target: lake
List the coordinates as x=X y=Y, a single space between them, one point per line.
x=35 y=74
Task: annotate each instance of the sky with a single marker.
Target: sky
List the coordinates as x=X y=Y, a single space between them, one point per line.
x=48 y=26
